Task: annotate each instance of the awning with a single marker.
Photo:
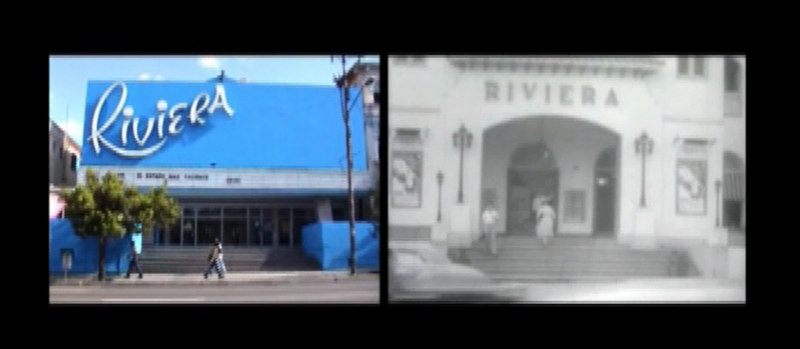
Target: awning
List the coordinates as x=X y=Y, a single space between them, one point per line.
x=733 y=186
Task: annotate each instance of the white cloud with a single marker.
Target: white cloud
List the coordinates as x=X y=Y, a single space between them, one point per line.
x=244 y=61
x=144 y=76
x=158 y=77
x=209 y=62
x=74 y=129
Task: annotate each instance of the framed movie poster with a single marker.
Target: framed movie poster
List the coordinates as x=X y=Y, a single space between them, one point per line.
x=406 y=179
x=691 y=197
x=575 y=206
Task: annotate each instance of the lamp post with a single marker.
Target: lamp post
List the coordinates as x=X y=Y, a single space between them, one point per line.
x=344 y=82
x=644 y=146
x=718 y=186
x=462 y=139
x=440 y=180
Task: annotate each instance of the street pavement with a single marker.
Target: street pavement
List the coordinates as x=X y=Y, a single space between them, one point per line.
x=363 y=290
x=163 y=279
x=640 y=291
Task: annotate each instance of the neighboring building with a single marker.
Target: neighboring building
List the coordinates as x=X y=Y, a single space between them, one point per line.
x=368 y=79
x=249 y=163
x=572 y=129
x=64 y=157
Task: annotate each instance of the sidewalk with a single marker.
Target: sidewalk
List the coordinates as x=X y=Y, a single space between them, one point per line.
x=640 y=291
x=261 y=278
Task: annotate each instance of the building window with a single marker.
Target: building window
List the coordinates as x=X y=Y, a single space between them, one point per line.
x=73 y=162
x=410 y=59
x=732 y=75
x=683 y=65
x=691 y=66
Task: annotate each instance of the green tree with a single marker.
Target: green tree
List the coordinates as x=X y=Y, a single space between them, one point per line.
x=105 y=208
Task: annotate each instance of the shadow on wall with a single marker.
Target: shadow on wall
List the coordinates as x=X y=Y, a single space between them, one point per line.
x=85 y=250
x=329 y=244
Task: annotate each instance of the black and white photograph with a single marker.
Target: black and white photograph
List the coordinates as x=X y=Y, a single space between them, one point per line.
x=566 y=179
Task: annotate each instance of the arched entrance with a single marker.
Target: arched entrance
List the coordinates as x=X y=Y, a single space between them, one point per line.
x=532 y=172
x=546 y=155
x=605 y=192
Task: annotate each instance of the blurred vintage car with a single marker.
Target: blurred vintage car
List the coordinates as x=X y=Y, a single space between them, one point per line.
x=424 y=273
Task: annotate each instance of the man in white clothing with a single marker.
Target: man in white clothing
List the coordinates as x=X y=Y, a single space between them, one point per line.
x=489 y=219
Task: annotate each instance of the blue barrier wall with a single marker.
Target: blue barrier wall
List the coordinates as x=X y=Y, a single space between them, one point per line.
x=271 y=126
x=329 y=244
x=85 y=250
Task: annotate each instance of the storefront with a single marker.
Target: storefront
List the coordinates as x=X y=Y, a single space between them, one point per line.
x=630 y=148
x=249 y=163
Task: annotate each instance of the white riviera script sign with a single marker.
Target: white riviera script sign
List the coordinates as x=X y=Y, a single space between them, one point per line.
x=167 y=121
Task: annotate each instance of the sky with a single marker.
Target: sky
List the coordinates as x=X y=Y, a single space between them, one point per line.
x=69 y=76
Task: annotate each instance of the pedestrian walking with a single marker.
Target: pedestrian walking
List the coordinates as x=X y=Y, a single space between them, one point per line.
x=215 y=260
x=134 y=262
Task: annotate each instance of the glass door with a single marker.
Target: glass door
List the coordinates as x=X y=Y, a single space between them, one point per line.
x=187 y=237
x=209 y=225
x=268 y=224
x=255 y=228
x=284 y=226
x=234 y=226
x=300 y=218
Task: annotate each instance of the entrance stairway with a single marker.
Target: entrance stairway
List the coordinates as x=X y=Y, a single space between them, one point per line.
x=177 y=259
x=522 y=259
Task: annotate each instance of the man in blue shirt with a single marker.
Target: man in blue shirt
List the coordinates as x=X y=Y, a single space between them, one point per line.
x=134 y=254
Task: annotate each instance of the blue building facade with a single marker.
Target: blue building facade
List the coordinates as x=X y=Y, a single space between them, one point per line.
x=250 y=164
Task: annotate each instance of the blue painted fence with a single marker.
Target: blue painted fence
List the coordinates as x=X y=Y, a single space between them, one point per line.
x=85 y=250
x=329 y=244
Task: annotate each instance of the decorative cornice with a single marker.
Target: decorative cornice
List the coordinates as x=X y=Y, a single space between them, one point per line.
x=414 y=109
x=619 y=66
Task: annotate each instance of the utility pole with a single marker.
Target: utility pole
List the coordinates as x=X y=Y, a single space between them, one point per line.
x=343 y=82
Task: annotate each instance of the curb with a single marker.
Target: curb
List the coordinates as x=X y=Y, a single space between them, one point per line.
x=213 y=281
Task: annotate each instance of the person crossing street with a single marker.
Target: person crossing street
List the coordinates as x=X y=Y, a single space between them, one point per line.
x=215 y=260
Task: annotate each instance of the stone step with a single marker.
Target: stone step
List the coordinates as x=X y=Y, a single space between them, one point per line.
x=600 y=263
x=578 y=275
x=506 y=259
x=527 y=278
x=658 y=269
x=572 y=251
x=526 y=258
x=560 y=241
x=173 y=259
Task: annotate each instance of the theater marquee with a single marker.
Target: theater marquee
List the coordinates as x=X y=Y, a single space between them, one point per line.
x=549 y=94
x=232 y=179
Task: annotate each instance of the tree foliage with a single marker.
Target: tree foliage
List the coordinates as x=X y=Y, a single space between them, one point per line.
x=105 y=207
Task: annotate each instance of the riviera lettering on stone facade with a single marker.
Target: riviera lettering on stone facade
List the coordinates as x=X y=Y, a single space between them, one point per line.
x=530 y=91
x=202 y=104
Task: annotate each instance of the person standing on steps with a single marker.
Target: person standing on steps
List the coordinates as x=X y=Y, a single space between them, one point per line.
x=545 y=221
x=215 y=260
x=489 y=219
x=134 y=262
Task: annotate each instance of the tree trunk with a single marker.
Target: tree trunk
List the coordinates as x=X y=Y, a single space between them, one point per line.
x=101 y=258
